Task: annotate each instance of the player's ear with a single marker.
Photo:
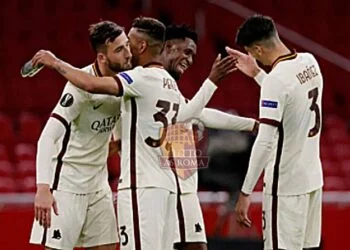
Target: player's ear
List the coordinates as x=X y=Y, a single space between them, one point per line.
x=169 y=47
x=142 y=46
x=101 y=57
x=258 y=49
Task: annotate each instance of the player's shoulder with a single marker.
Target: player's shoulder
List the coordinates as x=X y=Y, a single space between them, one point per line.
x=69 y=87
x=144 y=73
x=89 y=69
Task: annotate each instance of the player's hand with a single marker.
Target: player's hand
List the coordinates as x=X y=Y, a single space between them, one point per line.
x=245 y=63
x=241 y=209
x=43 y=202
x=221 y=68
x=44 y=57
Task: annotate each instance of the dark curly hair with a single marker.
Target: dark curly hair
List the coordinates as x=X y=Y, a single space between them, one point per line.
x=180 y=32
x=103 y=32
x=256 y=28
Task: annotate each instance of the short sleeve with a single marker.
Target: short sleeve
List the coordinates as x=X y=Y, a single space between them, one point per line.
x=130 y=82
x=272 y=101
x=71 y=103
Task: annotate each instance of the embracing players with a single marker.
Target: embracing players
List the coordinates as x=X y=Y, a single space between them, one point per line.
x=150 y=101
x=72 y=154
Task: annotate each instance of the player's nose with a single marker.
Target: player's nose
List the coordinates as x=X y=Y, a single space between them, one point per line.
x=189 y=60
x=128 y=54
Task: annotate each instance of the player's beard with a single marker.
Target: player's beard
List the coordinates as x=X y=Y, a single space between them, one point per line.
x=172 y=70
x=174 y=74
x=134 y=61
x=117 y=67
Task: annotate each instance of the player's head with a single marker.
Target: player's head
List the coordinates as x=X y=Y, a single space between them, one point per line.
x=180 y=49
x=146 y=38
x=111 y=45
x=258 y=35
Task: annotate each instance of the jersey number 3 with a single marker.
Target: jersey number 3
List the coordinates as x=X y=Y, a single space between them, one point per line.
x=314 y=107
x=161 y=117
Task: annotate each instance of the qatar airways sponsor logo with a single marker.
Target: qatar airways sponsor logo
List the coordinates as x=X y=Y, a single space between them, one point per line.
x=104 y=125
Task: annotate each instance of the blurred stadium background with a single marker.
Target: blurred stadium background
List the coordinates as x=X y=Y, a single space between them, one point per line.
x=318 y=26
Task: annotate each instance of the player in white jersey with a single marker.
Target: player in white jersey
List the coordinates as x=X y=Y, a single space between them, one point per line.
x=151 y=101
x=287 y=145
x=72 y=156
x=179 y=53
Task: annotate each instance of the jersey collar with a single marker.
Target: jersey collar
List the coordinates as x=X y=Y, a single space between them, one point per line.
x=153 y=65
x=293 y=54
x=96 y=69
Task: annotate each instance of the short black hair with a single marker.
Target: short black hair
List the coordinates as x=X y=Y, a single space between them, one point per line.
x=255 y=29
x=103 y=32
x=180 y=32
x=154 y=28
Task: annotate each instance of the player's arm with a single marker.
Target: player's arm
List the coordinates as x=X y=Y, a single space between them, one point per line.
x=68 y=108
x=216 y=119
x=79 y=78
x=261 y=151
x=272 y=103
x=248 y=65
x=273 y=99
x=193 y=108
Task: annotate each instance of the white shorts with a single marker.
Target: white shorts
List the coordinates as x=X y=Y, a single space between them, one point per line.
x=190 y=223
x=146 y=218
x=84 y=220
x=292 y=222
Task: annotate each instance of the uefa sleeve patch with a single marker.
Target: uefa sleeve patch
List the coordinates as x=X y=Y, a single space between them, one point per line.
x=269 y=104
x=127 y=78
x=67 y=100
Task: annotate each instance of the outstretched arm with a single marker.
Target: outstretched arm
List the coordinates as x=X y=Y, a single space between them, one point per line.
x=220 y=69
x=216 y=119
x=79 y=78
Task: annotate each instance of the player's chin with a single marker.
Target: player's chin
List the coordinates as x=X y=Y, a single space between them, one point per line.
x=127 y=66
x=180 y=70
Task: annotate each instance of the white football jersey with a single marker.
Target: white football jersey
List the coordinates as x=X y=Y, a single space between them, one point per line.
x=291 y=97
x=187 y=159
x=81 y=160
x=151 y=102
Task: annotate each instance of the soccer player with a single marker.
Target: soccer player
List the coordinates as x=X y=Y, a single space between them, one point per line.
x=72 y=156
x=287 y=147
x=179 y=53
x=150 y=102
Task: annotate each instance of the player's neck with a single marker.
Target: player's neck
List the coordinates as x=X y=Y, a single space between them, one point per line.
x=149 y=60
x=105 y=71
x=280 y=50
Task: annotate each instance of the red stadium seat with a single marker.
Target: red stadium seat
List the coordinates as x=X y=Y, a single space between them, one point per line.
x=7 y=185
x=334 y=184
x=4 y=155
x=24 y=151
x=342 y=151
x=327 y=151
x=7 y=134
x=6 y=169
x=25 y=168
x=29 y=128
x=27 y=184
x=334 y=121
x=345 y=167
x=331 y=168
